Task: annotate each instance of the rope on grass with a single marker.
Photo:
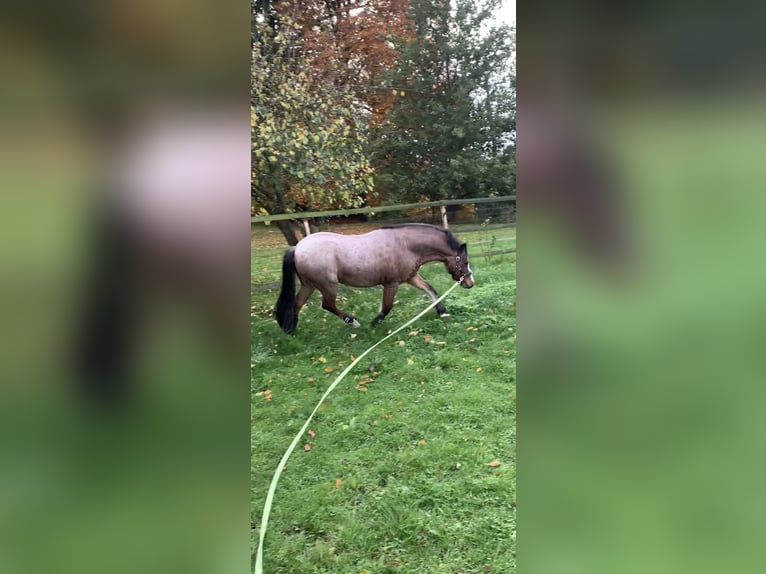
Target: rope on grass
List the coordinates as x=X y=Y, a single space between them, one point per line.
x=275 y=479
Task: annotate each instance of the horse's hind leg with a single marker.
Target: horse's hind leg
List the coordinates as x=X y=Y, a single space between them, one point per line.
x=300 y=299
x=389 y=292
x=420 y=283
x=328 y=302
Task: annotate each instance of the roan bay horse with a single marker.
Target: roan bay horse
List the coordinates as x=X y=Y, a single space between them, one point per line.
x=387 y=256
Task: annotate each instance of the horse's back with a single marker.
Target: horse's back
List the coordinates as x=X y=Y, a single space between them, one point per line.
x=327 y=243
x=320 y=245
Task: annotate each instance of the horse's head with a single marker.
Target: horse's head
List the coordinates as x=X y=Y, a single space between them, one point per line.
x=457 y=266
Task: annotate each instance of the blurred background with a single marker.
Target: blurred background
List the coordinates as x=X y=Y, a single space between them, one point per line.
x=641 y=135
x=124 y=170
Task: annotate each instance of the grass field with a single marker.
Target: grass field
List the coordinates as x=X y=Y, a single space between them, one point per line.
x=397 y=478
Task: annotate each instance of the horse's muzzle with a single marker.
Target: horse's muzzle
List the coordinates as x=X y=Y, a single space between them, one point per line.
x=466 y=282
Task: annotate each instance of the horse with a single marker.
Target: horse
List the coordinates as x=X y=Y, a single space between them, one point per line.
x=388 y=256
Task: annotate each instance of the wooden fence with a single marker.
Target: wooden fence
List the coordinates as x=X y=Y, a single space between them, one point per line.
x=380 y=209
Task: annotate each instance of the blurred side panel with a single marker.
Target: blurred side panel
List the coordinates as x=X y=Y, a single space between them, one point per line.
x=642 y=315
x=124 y=266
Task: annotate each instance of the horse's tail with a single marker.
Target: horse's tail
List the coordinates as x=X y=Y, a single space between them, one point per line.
x=285 y=309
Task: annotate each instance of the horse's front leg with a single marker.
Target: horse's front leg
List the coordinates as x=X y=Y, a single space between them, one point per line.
x=420 y=283
x=389 y=292
x=328 y=303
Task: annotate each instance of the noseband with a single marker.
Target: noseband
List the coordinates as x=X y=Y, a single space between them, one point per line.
x=463 y=274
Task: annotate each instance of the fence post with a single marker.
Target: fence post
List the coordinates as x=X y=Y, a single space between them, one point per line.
x=444 y=216
x=307 y=227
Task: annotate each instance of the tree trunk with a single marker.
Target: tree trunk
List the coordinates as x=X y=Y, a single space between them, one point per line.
x=288 y=231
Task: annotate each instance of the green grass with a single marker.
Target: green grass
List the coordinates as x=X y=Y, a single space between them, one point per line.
x=397 y=479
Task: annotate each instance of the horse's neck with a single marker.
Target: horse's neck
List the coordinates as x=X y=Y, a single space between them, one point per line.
x=432 y=249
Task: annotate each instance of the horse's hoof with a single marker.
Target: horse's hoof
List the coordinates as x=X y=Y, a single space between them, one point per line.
x=355 y=324
x=445 y=316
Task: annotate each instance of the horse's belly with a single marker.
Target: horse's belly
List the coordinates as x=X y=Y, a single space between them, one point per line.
x=355 y=277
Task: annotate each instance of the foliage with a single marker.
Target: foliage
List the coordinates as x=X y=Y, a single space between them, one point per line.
x=451 y=131
x=308 y=137
x=419 y=94
x=352 y=43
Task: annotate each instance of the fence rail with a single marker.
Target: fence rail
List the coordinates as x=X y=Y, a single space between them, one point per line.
x=379 y=209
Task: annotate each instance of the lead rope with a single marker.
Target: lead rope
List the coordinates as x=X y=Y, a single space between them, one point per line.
x=275 y=479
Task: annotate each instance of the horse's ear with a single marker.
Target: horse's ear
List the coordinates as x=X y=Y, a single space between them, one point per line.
x=464 y=248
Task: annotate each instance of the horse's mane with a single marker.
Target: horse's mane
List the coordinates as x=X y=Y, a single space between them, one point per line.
x=452 y=240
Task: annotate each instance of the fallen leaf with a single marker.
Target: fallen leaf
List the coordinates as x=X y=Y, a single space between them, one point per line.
x=421 y=442
x=478 y=369
x=322 y=360
x=427 y=338
x=410 y=362
x=363 y=389
x=457 y=466
x=353 y=335
x=353 y=358
x=489 y=568
x=341 y=363
x=401 y=343
x=307 y=447
x=469 y=329
x=311 y=433
x=414 y=333
x=310 y=379
x=472 y=340
x=494 y=463
x=328 y=369
x=372 y=367
x=338 y=482
x=441 y=342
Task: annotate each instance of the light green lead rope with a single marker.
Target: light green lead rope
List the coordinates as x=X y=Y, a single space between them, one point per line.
x=296 y=440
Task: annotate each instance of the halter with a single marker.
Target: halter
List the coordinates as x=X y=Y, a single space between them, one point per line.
x=465 y=273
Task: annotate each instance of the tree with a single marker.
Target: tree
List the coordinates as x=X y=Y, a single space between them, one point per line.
x=308 y=136
x=451 y=131
x=352 y=42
